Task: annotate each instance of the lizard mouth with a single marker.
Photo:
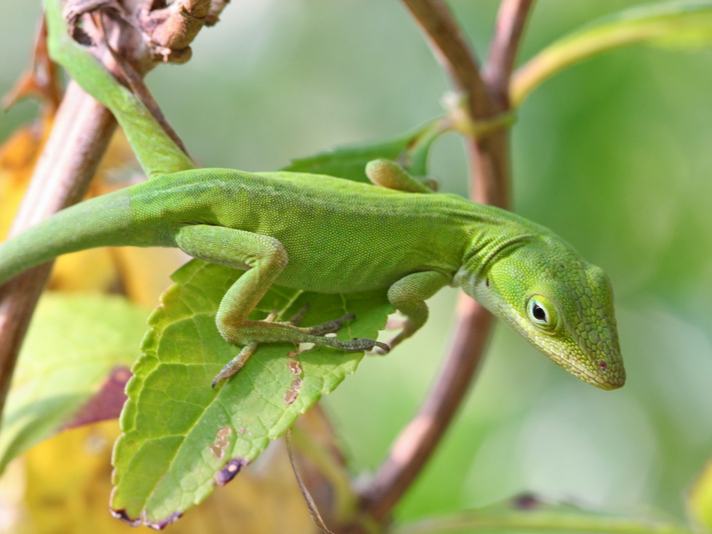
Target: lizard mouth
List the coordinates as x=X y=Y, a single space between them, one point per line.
x=613 y=379
x=610 y=377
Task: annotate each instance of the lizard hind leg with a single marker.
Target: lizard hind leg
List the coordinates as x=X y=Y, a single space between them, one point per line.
x=265 y=258
x=234 y=365
x=318 y=330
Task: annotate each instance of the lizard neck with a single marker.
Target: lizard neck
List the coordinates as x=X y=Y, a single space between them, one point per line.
x=502 y=234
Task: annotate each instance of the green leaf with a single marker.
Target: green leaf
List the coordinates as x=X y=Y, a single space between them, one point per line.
x=529 y=514
x=349 y=162
x=180 y=437
x=699 y=499
x=678 y=24
x=73 y=343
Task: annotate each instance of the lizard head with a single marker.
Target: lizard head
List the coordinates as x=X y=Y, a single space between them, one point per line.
x=559 y=303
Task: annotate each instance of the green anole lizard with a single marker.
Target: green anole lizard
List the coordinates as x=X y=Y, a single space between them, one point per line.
x=330 y=235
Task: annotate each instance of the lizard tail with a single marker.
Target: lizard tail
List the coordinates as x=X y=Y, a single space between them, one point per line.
x=101 y=221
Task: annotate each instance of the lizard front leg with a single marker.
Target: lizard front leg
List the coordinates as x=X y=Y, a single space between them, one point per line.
x=264 y=258
x=389 y=174
x=409 y=294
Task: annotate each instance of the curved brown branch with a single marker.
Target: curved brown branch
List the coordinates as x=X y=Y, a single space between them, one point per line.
x=82 y=130
x=511 y=19
x=80 y=135
x=489 y=165
x=418 y=439
x=453 y=52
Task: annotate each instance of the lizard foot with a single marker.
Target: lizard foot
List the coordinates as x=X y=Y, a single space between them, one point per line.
x=291 y=332
x=407 y=330
x=234 y=365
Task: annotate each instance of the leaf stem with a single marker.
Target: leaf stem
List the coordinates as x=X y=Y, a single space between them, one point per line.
x=565 y=53
x=333 y=471
x=677 y=22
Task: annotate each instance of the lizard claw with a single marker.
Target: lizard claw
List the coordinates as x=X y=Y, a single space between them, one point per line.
x=370 y=345
x=381 y=349
x=297 y=317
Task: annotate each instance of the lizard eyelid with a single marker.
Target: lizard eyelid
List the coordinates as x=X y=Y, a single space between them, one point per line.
x=541 y=312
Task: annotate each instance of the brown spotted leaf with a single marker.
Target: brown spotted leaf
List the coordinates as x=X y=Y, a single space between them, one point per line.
x=180 y=437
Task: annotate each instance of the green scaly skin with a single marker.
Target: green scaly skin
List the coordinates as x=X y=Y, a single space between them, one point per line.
x=325 y=234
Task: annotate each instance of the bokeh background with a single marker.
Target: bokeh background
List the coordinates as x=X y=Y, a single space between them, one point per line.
x=614 y=154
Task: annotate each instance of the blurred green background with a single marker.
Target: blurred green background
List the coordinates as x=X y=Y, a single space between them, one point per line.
x=614 y=154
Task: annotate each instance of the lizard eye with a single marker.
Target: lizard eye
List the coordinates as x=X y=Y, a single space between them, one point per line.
x=541 y=312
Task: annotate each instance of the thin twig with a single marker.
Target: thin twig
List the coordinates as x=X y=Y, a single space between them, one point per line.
x=39 y=80
x=135 y=82
x=511 y=19
x=311 y=505
x=489 y=161
x=81 y=132
x=488 y=155
x=453 y=52
x=216 y=8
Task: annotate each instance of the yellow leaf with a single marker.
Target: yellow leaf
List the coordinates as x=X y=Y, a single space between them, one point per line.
x=699 y=499
x=18 y=156
x=66 y=482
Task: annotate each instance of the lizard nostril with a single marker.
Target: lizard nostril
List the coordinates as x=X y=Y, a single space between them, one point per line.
x=603 y=365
